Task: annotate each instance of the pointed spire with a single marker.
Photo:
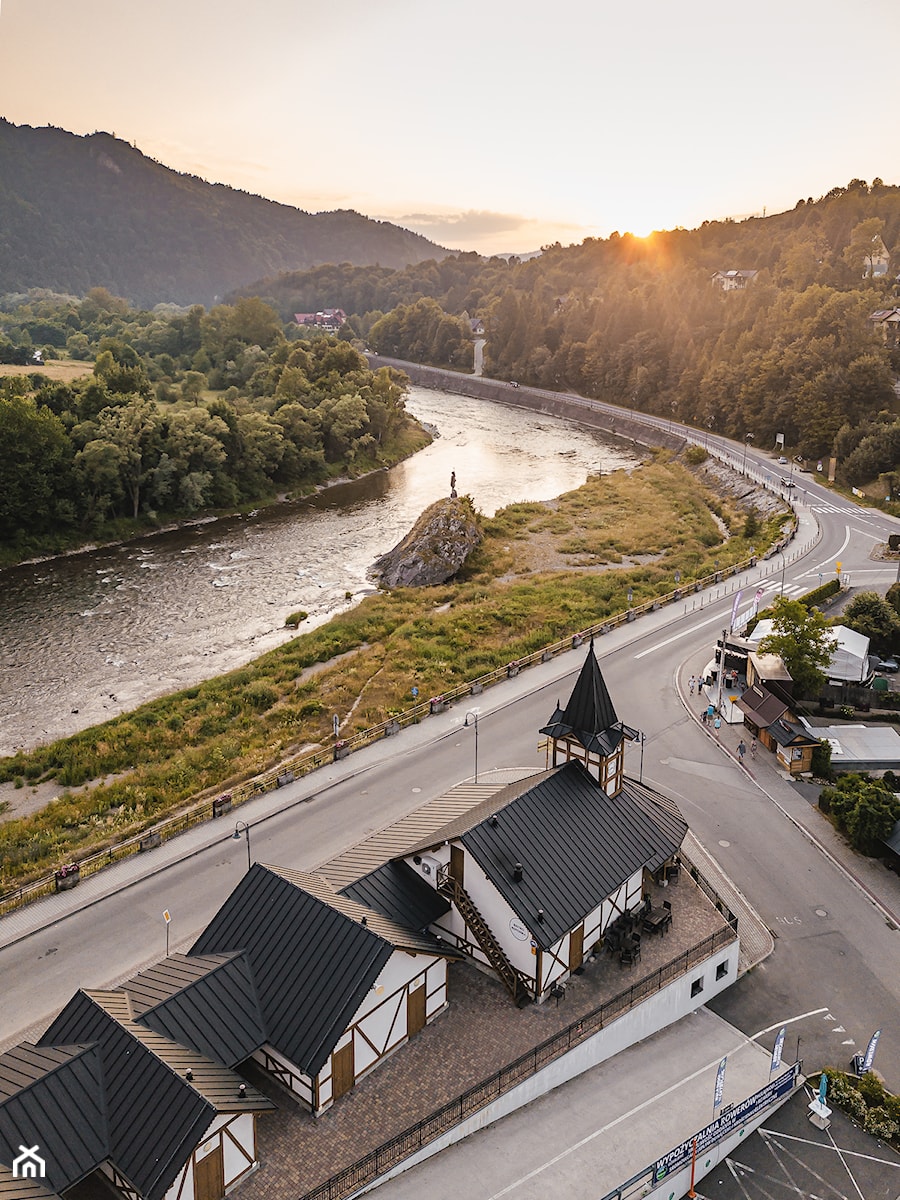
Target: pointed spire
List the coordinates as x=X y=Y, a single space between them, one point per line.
x=589 y=716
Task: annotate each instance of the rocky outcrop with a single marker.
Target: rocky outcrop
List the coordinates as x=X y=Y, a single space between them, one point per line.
x=435 y=548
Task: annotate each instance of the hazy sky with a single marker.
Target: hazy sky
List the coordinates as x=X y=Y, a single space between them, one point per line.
x=496 y=126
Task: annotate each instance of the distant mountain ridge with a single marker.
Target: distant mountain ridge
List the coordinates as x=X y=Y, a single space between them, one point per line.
x=81 y=212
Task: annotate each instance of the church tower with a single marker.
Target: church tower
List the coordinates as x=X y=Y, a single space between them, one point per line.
x=588 y=729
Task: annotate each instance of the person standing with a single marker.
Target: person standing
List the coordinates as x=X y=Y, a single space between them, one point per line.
x=717 y=723
x=753 y=748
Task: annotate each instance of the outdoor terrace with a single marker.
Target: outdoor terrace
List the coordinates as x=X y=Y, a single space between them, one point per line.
x=476 y=1050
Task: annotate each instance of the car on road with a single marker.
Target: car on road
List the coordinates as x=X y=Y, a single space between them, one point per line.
x=782 y=462
x=887 y=666
x=788 y=483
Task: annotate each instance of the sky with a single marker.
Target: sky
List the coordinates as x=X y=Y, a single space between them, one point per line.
x=497 y=126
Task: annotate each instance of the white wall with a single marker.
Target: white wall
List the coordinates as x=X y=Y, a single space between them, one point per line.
x=659 y=1010
x=241 y=1127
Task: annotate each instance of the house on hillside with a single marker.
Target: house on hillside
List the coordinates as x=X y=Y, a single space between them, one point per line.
x=328 y=320
x=733 y=280
x=340 y=985
x=886 y=322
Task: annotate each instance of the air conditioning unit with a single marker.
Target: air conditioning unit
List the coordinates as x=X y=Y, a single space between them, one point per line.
x=429 y=867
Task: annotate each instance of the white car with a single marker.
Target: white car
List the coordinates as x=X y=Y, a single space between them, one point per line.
x=782 y=462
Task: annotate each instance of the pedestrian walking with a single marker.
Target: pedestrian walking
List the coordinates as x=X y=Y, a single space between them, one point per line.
x=718 y=725
x=692 y=683
x=753 y=748
x=710 y=711
x=704 y=716
x=742 y=749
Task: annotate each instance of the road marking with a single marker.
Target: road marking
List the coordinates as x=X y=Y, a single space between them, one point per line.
x=551 y=1162
x=790 y=1137
x=720 y=617
x=837 y=554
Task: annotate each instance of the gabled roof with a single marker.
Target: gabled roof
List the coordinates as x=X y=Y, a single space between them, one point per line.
x=206 y=1002
x=665 y=815
x=589 y=717
x=23 y=1189
x=314 y=954
x=761 y=706
x=786 y=733
x=52 y=1097
x=151 y=1084
x=142 y=1094
x=575 y=845
x=397 y=891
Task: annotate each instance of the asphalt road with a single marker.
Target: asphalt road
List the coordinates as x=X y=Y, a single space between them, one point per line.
x=834 y=947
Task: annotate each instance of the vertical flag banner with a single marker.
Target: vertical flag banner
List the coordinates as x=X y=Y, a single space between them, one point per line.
x=776 y=1052
x=734 y=607
x=870 y=1051
x=720 y=1084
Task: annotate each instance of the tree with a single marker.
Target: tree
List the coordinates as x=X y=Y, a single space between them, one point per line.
x=865 y=247
x=873 y=617
x=801 y=637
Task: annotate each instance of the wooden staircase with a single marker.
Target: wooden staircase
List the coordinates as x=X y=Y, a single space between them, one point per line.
x=515 y=981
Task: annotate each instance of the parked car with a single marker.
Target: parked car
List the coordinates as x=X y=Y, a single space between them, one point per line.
x=887 y=666
x=782 y=462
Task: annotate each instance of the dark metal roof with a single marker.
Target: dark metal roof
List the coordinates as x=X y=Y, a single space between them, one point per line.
x=761 y=706
x=665 y=815
x=52 y=1097
x=155 y=1118
x=471 y=816
x=575 y=845
x=206 y=1002
x=397 y=891
x=311 y=964
x=786 y=733
x=589 y=718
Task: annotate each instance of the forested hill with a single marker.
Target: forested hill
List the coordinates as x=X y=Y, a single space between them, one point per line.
x=83 y=212
x=648 y=323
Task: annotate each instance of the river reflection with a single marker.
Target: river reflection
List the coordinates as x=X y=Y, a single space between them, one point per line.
x=90 y=635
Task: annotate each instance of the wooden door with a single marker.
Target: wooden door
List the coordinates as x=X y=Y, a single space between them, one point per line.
x=576 y=948
x=415 y=1011
x=342 y=1071
x=209 y=1176
x=457 y=858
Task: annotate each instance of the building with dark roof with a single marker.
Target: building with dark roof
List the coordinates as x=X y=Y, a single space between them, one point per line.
x=176 y=1121
x=340 y=984
x=537 y=873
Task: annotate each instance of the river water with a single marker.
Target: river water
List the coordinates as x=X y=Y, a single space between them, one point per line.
x=90 y=635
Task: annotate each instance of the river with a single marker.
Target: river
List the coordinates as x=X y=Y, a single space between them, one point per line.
x=87 y=636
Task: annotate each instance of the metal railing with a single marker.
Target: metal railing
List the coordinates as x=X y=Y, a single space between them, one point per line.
x=411 y=1140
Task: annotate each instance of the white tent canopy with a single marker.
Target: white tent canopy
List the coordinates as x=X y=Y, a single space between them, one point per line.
x=849 y=659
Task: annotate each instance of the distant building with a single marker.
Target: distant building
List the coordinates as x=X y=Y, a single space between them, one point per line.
x=886 y=321
x=733 y=281
x=477 y=326
x=329 y=320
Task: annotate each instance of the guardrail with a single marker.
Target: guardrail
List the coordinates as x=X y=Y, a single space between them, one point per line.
x=290 y=769
x=380 y=1160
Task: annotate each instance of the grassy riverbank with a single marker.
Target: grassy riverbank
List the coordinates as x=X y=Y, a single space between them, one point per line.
x=542 y=571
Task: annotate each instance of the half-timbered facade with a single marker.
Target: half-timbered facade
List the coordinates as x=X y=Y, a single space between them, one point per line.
x=340 y=985
x=537 y=873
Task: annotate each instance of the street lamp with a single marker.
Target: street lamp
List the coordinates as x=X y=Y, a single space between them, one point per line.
x=242 y=828
x=468 y=724
x=748 y=438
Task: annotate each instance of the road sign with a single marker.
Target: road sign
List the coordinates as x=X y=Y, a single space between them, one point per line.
x=167 y=917
x=837 y=567
x=335 y=725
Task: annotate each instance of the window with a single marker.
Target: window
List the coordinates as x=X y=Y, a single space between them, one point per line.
x=696 y=987
x=721 y=970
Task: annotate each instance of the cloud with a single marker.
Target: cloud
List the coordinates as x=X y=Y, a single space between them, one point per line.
x=488 y=232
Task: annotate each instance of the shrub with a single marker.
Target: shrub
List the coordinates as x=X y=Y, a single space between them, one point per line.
x=872 y=1090
x=695 y=455
x=292 y=620
x=260 y=696
x=879 y=1123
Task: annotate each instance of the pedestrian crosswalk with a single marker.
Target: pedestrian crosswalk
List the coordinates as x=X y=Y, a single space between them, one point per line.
x=770 y=586
x=827 y=507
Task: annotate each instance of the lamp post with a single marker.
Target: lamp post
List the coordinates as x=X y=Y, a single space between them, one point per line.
x=242 y=828
x=748 y=438
x=783 y=568
x=466 y=725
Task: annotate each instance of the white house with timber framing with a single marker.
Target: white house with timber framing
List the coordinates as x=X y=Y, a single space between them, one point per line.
x=340 y=985
x=538 y=872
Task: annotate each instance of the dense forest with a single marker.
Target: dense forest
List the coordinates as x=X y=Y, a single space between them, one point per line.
x=176 y=414
x=640 y=321
x=83 y=212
